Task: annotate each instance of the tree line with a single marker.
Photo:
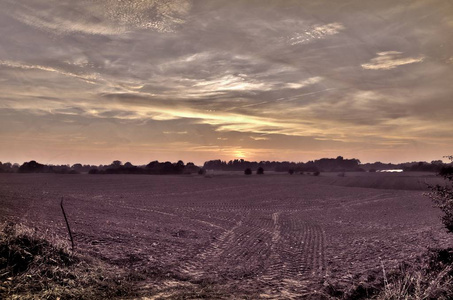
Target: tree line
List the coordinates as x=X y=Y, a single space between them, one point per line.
x=338 y=164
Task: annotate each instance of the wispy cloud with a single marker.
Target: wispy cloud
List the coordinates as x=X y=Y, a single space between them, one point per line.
x=316 y=32
x=103 y=17
x=259 y=138
x=88 y=77
x=390 y=60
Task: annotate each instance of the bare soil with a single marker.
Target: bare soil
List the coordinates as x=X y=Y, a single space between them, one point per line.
x=233 y=236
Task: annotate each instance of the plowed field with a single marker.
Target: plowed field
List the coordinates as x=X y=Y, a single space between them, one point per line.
x=269 y=236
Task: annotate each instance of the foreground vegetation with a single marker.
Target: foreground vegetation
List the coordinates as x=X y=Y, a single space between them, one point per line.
x=429 y=277
x=34 y=266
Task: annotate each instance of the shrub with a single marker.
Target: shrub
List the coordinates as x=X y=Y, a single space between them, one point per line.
x=260 y=171
x=291 y=171
x=201 y=172
x=316 y=173
x=248 y=171
x=442 y=196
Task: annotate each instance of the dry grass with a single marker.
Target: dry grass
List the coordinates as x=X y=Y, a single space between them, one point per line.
x=40 y=266
x=429 y=277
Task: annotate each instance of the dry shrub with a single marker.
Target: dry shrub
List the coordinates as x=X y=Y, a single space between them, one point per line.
x=428 y=277
x=34 y=266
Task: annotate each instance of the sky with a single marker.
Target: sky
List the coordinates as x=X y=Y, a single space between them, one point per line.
x=97 y=81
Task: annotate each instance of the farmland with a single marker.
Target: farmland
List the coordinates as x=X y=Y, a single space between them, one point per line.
x=274 y=235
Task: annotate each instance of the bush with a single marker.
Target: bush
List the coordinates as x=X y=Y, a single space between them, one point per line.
x=260 y=171
x=291 y=171
x=248 y=171
x=201 y=172
x=316 y=173
x=442 y=196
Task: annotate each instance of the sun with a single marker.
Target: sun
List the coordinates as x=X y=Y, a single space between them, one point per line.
x=239 y=154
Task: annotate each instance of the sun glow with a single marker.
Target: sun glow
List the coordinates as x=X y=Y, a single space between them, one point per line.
x=240 y=154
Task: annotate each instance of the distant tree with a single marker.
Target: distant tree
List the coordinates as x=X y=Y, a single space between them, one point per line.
x=201 y=171
x=152 y=164
x=76 y=166
x=179 y=167
x=32 y=167
x=191 y=168
x=442 y=196
x=15 y=167
x=291 y=171
x=116 y=164
x=128 y=165
x=248 y=171
x=260 y=171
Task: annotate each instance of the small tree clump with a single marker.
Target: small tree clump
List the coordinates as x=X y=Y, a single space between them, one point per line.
x=260 y=171
x=291 y=171
x=442 y=196
x=201 y=171
x=248 y=171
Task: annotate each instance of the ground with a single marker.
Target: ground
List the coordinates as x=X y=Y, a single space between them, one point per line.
x=266 y=236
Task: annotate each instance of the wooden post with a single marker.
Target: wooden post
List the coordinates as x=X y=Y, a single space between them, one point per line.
x=67 y=224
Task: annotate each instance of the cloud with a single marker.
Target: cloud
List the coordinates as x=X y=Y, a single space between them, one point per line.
x=175 y=132
x=316 y=32
x=103 y=17
x=259 y=138
x=390 y=60
x=91 y=78
x=230 y=73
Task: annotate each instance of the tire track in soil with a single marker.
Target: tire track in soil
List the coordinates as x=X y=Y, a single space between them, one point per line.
x=238 y=253
x=297 y=257
x=280 y=252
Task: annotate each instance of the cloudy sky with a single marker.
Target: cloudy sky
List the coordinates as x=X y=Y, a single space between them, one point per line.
x=93 y=81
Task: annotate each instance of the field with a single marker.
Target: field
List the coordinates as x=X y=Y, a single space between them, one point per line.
x=269 y=236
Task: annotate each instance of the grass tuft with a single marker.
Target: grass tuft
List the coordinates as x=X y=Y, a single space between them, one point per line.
x=33 y=266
